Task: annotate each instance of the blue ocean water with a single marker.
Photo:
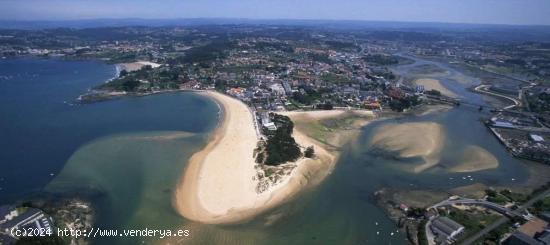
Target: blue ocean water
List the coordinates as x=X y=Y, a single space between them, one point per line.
x=40 y=128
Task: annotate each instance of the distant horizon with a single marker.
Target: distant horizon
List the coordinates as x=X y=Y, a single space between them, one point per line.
x=243 y=19
x=485 y=12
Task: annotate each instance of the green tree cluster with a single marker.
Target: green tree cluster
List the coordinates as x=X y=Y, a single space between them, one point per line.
x=405 y=103
x=309 y=152
x=281 y=146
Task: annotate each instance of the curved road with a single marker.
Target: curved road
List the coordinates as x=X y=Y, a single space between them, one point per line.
x=485 y=89
x=466 y=201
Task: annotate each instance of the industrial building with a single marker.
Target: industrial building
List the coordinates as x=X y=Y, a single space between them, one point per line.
x=446 y=230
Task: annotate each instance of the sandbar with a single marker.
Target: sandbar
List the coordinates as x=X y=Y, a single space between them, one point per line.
x=411 y=140
x=474 y=159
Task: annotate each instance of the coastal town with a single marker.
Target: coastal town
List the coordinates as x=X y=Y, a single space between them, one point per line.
x=275 y=70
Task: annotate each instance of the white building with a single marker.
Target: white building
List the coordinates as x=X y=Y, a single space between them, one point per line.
x=536 y=138
x=277 y=89
x=266 y=122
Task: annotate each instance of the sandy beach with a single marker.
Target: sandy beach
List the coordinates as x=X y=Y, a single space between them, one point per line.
x=318 y=115
x=134 y=66
x=218 y=185
x=430 y=84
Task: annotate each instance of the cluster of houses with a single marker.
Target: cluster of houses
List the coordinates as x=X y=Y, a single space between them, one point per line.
x=535 y=232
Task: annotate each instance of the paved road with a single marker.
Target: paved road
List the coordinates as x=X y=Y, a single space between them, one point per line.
x=486 y=230
x=485 y=89
x=499 y=208
x=467 y=201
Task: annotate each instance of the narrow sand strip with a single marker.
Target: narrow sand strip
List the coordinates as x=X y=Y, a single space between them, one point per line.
x=430 y=84
x=218 y=184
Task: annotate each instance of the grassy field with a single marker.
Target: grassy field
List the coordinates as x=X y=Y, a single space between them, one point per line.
x=541 y=206
x=473 y=221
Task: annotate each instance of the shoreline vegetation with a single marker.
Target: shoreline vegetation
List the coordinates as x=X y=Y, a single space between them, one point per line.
x=117 y=87
x=219 y=184
x=223 y=183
